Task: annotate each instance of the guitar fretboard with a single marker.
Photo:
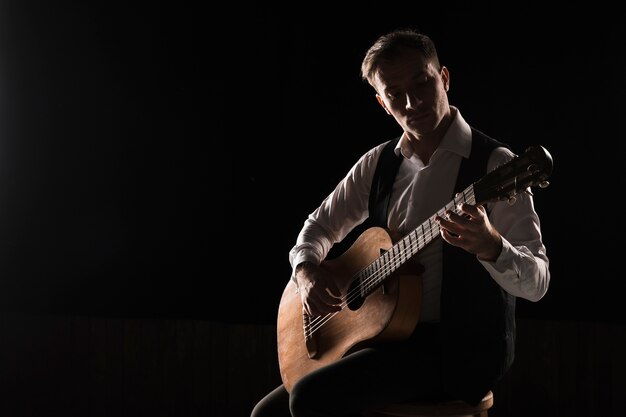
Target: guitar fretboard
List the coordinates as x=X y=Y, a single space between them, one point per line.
x=373 y=275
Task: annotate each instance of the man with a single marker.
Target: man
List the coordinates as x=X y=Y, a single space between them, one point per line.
x=488 y=255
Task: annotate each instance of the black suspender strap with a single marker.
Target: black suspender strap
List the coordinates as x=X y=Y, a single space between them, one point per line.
x=382 y=184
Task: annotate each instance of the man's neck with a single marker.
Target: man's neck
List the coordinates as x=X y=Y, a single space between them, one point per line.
x=426 y=145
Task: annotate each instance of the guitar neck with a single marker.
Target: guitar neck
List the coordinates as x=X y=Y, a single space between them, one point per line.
x=374 y=274
x=533 y=167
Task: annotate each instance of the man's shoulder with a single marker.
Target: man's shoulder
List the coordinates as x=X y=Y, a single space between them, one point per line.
x=501 y=155
x=485 y=139
x=392 y=142
x=375 y=151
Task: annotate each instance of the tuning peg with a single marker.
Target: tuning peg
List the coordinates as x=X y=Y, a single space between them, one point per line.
x=544 y=184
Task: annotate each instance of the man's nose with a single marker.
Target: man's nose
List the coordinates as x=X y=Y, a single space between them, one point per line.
x=412 y=100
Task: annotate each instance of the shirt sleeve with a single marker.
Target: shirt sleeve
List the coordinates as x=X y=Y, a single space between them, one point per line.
x=342 y=210
x=522 y=269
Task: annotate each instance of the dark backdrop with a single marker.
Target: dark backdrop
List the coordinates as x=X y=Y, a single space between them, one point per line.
x=158 y=159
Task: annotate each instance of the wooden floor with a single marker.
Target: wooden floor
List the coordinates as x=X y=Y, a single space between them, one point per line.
x=97 y=367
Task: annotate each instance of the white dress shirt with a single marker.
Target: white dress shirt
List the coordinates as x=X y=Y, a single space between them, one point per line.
x=419 y=191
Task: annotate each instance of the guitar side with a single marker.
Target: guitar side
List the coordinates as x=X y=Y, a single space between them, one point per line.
x=389 y=313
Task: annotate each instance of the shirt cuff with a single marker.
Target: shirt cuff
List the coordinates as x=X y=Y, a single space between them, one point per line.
x=504 y=262
x=298 y=259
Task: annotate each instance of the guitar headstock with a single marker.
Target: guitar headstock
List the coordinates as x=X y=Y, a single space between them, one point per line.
x=532 y=168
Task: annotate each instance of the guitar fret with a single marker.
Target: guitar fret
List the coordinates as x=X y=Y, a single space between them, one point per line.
x=375 y=267
x=384 y=259
x=389 y=264
x=430 y=229
x=393 y=256
x=402 y=247
x=380 y=267
x=420 y=238
x=472 y=199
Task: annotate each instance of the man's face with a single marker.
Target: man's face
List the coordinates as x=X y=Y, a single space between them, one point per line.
x=413 y=91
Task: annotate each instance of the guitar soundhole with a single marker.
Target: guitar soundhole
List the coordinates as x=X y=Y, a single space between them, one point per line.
x=355 y=300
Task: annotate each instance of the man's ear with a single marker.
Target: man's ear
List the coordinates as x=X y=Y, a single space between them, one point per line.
x=382 y=103
x=445 y=78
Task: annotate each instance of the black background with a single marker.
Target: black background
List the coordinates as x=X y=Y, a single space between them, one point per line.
x=158 y=159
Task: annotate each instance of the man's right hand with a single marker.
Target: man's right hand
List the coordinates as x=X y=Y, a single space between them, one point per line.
x=318 y=291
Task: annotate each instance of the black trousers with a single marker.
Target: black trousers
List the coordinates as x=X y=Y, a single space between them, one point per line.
x=390 y=372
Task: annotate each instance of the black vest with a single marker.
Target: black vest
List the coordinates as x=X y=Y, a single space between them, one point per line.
x=477 y=315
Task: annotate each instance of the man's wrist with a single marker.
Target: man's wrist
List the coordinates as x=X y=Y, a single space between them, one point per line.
x=302 y=265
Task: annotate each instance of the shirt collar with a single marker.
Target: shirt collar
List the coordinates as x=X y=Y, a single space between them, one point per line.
x=458 y=138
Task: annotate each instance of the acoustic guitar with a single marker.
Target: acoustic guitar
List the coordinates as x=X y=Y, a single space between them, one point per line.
x=381 y=299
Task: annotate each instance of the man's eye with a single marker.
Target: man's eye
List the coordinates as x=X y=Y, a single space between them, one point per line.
x=422 y=79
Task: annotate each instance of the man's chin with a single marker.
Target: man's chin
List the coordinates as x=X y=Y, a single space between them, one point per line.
x=419 y=128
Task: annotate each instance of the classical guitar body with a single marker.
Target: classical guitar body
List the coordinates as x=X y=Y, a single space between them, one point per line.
x=389 y=312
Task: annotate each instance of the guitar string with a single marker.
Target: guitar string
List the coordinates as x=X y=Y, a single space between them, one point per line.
x=387 y=267
x=433 y=232
x=397 y=259
x=384 y=270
